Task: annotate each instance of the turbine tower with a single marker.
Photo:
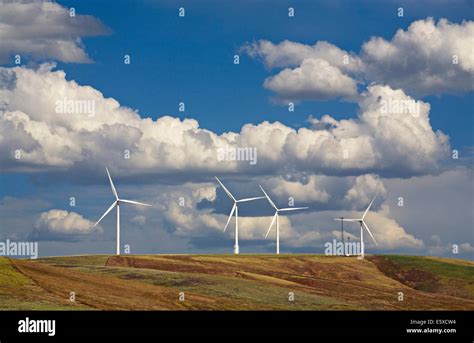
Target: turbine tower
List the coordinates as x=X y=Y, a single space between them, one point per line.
x=235 y=209
x=275 y=217
x=362 y=226
x=116 y=204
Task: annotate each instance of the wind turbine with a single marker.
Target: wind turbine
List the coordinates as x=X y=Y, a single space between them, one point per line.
x=362 y=224
x=235 y=209
x=275 y=217
x=116 y=204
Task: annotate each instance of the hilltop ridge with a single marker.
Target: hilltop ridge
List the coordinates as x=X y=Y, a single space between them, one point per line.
x=244 y=282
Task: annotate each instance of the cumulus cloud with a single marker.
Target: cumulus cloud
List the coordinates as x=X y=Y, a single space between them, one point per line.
x=62 y=225
x=291 y=54
x=51 y=138
x=180 y=213
x=314 y=79
x=308 y=191
x=364 y=189
x=255 y=228
x=177 y=220
x=390 y=234
x=384 y=139
x=305 y=230
x=45 y=30
x=377 y=139
x=428 y=58
x=315 y=72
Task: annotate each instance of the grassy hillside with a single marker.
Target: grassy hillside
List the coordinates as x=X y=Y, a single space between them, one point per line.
x=19 y=292
x=430 y=274
x=228 y=282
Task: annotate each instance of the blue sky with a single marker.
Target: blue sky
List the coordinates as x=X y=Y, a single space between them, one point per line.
x=190 y=59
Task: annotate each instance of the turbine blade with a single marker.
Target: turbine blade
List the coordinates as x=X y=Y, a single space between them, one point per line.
x=292 y=209
x=250 y=199
x=134 y=202
x=347 y=220
x=106 y=212
x=271 y=224
x=230 y=216
x=368 y=208
x=225 y=189
x=367 y=228
x=112 y=184
x=268 y=198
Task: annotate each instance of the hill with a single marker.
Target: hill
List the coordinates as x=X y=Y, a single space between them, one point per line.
x=244 y=282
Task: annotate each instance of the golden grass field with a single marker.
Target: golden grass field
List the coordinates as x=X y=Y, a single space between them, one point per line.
x=244 y=282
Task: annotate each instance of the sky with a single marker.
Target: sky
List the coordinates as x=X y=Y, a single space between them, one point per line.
x=382 y=102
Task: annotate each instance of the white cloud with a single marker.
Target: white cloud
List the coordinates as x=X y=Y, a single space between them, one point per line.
x=291 y=54
x=364 y=189
x=178 y=207
x=62 y=225
x=418 y=60
x=390 y=234
x=316 y=72
x=48 y=138
x=390 y=141
x=310 y=230
x=255 y=228
x=301 y=192
x=314 y=79
x=45 y=30
x=381 y=140
x=175 y=223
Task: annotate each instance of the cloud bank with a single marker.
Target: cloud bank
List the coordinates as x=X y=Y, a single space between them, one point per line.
x=35 y=136
x=427 y=58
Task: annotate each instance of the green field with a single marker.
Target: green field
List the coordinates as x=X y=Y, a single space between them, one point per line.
x=244 y=282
